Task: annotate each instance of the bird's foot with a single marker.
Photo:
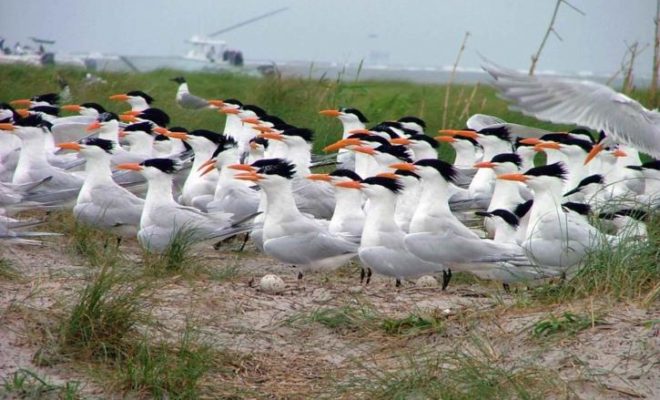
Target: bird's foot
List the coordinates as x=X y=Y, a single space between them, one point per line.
x=446 y=277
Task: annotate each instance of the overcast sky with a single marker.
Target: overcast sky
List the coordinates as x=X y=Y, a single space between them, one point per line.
x=413 y=32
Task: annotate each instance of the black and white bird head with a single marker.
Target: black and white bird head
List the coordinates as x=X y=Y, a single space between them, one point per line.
x=46 y=99
x=591 y=183
x=86 y=109
x=414 y=123
x=336 y=176
x=31 y=127
x=502 y=163
x=417 y=142
x=430 y=169
x=504 y=215
x=375 y=187
x=136 y=98
x=154 y=168
x=91 y=148
x=269 y=173
x=346 y=115
x=546 y=177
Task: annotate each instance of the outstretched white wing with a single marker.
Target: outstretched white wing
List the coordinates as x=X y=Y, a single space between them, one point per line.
x=585 y=103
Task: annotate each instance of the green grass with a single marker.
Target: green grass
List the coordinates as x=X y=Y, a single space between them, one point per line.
x=568 y=324
x=413 y=325
x=177 y=258
x=471 y=371
x=342 y=320
x=26 y=384
x=8 y=272
x=104 y=317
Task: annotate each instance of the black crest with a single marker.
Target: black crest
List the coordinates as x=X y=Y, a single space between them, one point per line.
x=167 y=165
x=413 y=119
x=50 y=110
x=209 y=135
x=33 y=120
x=508 y=217
x=255 y=109
x=653 y=164
x=501 y=132
x=107 y=116
x=355 y=112
x=346 y=173
x=261 y=141
x=275 y=166
x=445 y=169
x=557 y=170
x=554 y=137
x=106 y=145
x=507 y=157
x=523 y=208
x=179 y=79
x=155 y=115
x=384 y=128
x=582 y=131
x=225 y=143
x=580 y=208
x=139 y=93
x=99 y=108
x=423 y=138
x=370 y=138
x=233 y=102
x=400 y=152
x=583 y=144
x=468 y=139
x=595 y=178
x=145 y=126
x=403 y=172
x=389 y=183
x=304 y=133
x=51 y=98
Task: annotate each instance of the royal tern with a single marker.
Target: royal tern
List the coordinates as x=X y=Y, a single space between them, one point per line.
x=137 y=99
x=351 y=119
x=288 y=235
x=163 y=220
x=101 y=202
x=382 y=246
x=580 y=102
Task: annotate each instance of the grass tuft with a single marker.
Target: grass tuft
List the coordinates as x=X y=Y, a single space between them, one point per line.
x=413 y=325
x=26 y=384
x=629 y=270
x=8 y=272
x=470 y=372
x=568 y=323
x=343 y=320
x=177 y=258
x=104 y=316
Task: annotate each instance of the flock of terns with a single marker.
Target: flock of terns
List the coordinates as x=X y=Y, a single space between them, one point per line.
x=391 y=202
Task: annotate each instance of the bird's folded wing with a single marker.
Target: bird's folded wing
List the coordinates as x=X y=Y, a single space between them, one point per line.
x=308 y=247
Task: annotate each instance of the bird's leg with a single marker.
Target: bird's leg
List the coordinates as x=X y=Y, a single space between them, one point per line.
x=362 y=275
x=118 y=241
x=506 y=287
x=398 y=282
x=446 y=277
x=247 y=237
x=368 y=275
x=300 y=275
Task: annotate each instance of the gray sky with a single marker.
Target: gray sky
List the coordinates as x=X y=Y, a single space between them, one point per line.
x=414 y=32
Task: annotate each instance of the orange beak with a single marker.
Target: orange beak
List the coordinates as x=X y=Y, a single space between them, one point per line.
x=360 y=130
x=262 y=128
x=21 y=102
x=513 y=177
x=330 y=113
x=390 y=175
x=208 y=167
x=69 y=146
x=131 y=112
x=93 y=126
x=127 y=118
x=176 y=135
x=251 y=120
x=208 y=162
x=547 y=145
x=485 y=164
x=319 y=177
x=400 y=140
x=249 y=176
x=619 y=153
x=119 y=97
x=130 y=167
x=7 y=127
x=531 y=141
x=22 y=112
x=593 y=153
x=228 y=110
x=217 y=103
x=271 y=135
x=342 y=143
x=455 y=132
x=403 y=166
x=242 y=167
x=160 y=130
x=349 y=185
x=446 y=139
x=71 y=107
x=364 y=149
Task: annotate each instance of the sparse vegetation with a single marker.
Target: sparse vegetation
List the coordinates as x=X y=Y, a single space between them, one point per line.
x=343 y=320
x=26 y=384
x=568 y=323
x=177 y=258
x=7 y=271
x=414 y=324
